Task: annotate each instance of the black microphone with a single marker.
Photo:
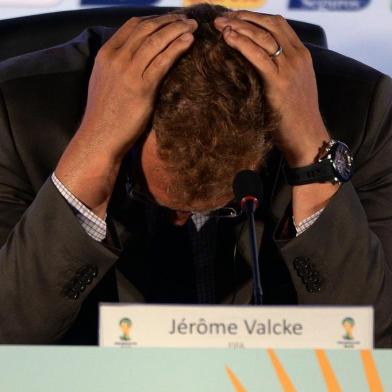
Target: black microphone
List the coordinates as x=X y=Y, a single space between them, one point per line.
x=248 y=189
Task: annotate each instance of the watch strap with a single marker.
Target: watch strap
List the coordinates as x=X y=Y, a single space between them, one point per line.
x=318 y=172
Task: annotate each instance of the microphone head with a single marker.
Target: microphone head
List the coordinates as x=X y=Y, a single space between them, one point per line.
x=247 y=183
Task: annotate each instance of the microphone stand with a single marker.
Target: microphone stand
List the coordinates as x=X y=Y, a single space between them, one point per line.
x=250 y=204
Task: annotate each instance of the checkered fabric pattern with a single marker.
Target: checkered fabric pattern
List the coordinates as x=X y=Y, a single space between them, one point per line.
x=306 y=223
x=199 y=221
x=94 y=226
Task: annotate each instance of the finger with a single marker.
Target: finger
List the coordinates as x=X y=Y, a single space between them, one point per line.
x=148 y=27
x=161 y=64
x=256 y=55
x=257 y=34
x=153 y=45
x=122 y=34
x=276 y=25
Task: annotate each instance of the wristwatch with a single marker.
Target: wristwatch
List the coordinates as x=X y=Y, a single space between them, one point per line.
x=333 y=164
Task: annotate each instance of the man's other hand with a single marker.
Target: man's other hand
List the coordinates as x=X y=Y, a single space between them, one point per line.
x=289 y=79
x=127 y=72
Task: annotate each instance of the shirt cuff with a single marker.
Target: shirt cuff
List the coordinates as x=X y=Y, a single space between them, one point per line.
x=93 y=225
x=306 y=223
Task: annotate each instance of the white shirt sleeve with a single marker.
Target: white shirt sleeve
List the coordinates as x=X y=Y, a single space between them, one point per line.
x=306 y=223
x=94 y=226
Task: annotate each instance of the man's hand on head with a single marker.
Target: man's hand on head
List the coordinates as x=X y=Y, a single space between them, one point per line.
x=291 y=89
x=126 y=75
x=289 y=79
x=127 y=72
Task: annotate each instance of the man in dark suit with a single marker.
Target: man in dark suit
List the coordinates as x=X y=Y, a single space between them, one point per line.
x=75 y=232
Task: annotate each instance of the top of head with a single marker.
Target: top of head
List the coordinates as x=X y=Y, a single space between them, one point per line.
x=211 y=119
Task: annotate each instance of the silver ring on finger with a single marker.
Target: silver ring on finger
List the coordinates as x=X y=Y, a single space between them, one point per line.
x=277 y=53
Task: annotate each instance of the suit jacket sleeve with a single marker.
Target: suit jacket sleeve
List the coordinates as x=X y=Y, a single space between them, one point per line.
x=346 y=256
x=44 y=254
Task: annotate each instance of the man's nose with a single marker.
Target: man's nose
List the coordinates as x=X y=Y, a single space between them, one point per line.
x=179 y=218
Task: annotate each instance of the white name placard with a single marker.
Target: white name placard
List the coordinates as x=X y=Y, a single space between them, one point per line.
x=235 y=326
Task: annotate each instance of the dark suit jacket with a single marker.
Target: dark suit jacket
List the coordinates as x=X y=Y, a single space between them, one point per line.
x=46 y=258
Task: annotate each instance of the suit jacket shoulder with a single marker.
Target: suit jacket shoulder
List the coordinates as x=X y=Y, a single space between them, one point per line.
x=75 y=55
x=348 y=90
x=45 y=93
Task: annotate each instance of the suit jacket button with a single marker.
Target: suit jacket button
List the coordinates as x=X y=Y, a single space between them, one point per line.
x=299 y=262
x=75 y=295
x=87 y=278
x=314 y=277
x=301 y=273
x=305 y=270
x=309 y=288
x=94 y=270
x=312 y=287
x=71 y=293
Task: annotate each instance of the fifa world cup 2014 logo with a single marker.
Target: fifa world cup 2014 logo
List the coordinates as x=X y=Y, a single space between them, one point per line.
x=125 y=325
x=348 y=325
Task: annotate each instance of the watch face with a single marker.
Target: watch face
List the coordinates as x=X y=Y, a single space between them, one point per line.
x=342 y=162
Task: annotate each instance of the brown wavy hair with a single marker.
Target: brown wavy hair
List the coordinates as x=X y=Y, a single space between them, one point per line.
x=211 y=119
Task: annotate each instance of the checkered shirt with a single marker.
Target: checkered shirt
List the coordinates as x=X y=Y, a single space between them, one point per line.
x=94 y=226
x=306 y=223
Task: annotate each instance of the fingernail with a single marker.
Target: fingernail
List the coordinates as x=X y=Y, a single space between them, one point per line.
x=186 y=37
x=221 y=19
